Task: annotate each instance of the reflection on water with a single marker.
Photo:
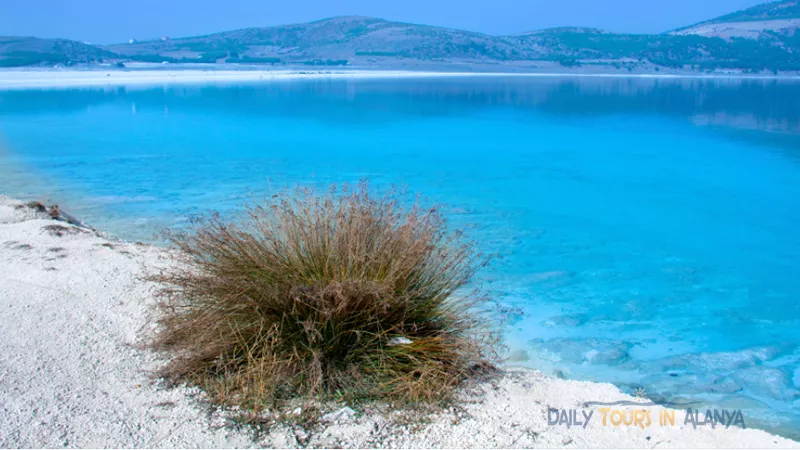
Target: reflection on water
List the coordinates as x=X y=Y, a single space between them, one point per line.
x=768 y=105
x=647 y=227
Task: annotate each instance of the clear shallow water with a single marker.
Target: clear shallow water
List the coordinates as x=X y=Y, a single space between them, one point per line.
x=648 y=228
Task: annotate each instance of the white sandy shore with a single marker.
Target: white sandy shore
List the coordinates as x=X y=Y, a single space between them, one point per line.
x=43 y=78
x=72 y=312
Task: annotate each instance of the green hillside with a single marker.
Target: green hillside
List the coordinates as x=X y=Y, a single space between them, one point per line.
x=668 y=50
x=787 y=9
x=28 y=51
x=330 y=39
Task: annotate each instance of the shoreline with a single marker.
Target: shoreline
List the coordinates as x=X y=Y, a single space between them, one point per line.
x=16 y=79
x=73 y=299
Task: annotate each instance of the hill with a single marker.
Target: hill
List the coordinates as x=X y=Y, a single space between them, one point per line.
x=329 y=41
x=674 y=51
x=752 y=40
x=761 y=21
x=786 y=9
x=366 y=40
x=26 y=51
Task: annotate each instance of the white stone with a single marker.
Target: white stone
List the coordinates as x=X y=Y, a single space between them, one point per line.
x=345 y=413
x=402 y=340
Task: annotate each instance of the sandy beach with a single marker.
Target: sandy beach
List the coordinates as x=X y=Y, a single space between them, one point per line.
x=73 y=313
x=66 y=78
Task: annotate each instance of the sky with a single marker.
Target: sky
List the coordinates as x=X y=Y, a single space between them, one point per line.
x=113 y=21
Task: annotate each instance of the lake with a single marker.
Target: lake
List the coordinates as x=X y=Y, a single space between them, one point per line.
x=646 y=229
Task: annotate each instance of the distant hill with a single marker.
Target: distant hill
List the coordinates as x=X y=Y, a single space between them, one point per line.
x=26 y=51
x=559 y=30
x=786 y=9
x=329 y=40
x=673 y=51
x=752 y=40
x=761 y=21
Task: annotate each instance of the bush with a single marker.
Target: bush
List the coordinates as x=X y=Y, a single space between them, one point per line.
x=341 y=294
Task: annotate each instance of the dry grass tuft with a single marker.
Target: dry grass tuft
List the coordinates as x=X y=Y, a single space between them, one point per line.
x=337 y=295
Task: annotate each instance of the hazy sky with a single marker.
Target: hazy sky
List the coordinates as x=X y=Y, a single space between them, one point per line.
x=109 y=21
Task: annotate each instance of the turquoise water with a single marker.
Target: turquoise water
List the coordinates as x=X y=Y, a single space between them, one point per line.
x=648 y=229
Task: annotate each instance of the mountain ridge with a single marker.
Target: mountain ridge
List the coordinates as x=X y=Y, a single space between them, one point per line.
x=29 y=50
x=760 y=21
x=363 y=41
x=775 y=10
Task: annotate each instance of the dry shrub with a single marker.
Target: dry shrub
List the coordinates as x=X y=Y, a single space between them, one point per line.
x=340 y=294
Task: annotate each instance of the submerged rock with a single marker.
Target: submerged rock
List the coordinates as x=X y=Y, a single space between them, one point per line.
x=718 y=363
x=724 y=385
x=518 y=355
x=766 y=381
x=549 y=276
x=568 y=320
x=671 y=383
x=740 y=402
x=586 y=351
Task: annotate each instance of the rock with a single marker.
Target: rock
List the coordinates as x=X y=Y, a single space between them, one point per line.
x=740 y=402
x=766 y=381
x=510 y=315
x=549 y=276
x=724 y=385
x=590 y=351
x=569 y=320
x=401 y=340
x=667 y=386
x=54 y=211
x=735 y=360
x=715 y=363
x=297 y=411
x=36 y=206
x=518 y=355
x=765 y=353
x=345 y=413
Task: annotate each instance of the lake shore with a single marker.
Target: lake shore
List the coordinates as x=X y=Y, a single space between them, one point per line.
x=190 y=74
x=74 y=312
